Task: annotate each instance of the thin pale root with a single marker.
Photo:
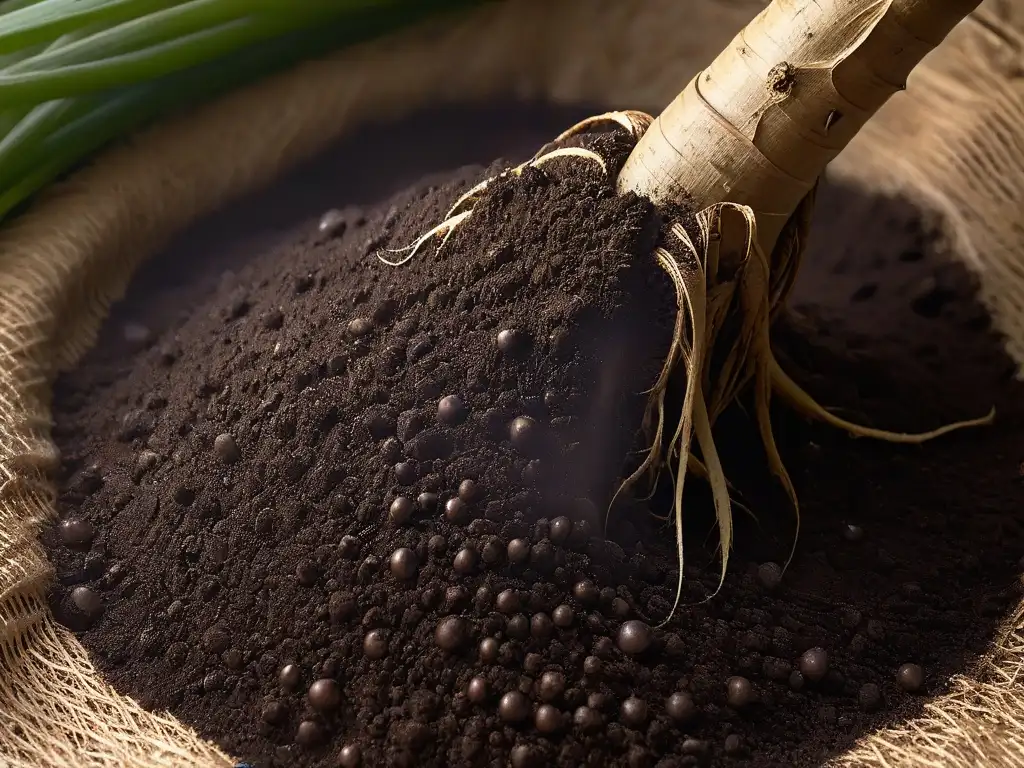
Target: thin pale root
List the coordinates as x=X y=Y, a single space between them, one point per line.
x=445 y=228
x=459 y=212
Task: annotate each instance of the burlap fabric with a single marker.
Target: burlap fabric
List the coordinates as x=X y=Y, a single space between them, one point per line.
x=955 y=141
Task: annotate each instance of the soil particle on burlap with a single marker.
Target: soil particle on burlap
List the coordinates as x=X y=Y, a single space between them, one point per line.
x=332 y=512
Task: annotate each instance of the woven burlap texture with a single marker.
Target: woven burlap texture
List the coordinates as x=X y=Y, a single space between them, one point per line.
x=955 y=141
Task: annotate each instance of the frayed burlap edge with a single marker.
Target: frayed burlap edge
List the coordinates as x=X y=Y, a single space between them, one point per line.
x=63 y=264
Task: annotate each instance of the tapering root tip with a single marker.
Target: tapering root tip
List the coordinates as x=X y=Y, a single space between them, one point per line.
x=804 y=404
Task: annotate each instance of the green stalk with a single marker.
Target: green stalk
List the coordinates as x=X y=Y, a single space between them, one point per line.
x=127 y=69
x=9 y=6
x=10 y=119
x=6 y=59
x=42 y=22
x=176 y=38
x=21 y=140
x=163 y=26
x=42 y=157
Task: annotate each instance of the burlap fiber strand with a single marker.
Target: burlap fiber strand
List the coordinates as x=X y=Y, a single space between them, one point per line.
x=954 y=141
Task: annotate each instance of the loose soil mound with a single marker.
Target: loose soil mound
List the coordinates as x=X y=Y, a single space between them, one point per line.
x=279 y=525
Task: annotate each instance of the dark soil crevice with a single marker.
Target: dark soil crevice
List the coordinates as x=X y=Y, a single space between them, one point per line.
x=234 y=447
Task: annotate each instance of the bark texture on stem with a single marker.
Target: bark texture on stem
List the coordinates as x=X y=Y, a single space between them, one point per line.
x=759 y=125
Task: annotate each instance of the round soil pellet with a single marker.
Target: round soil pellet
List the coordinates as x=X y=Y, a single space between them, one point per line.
x=548 y=719
x=226 y=448
x=561 y=530
x=518 y=551
x=332 y=223
x=910 y=677
x=403 y=563
x=76 y=533
x=514 y=707
x=87 y=602
x=510 y=341
x=405 y=473
x=633 y=712
x=634 y=637
x=375 y=644
x=359 y=327
x=740 y=692
x=451 y=634
x=586 y=592
x=451 y=410
x=325 y=695
x=401 y=510
x=488 y=650
x=309 y=733
x=290 y=677
x=466 y=561
x=563 y=616
x=814 y=664
x=350 y=756
x=523 y=433
x=508 y=601
x=525 y=756
x=680 y=707
x=456 y=510
x=476 y=691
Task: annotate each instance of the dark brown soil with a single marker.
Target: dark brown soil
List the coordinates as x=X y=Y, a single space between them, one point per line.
x=233 y=446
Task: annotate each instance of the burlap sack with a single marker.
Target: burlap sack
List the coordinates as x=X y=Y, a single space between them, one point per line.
x=955 y=141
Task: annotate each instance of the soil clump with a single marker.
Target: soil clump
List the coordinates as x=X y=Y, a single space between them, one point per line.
x=330 y=512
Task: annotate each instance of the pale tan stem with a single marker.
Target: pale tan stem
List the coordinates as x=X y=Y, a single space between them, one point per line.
x=760 y=124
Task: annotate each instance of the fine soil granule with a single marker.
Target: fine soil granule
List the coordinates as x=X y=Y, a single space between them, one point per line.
x=333 y=513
